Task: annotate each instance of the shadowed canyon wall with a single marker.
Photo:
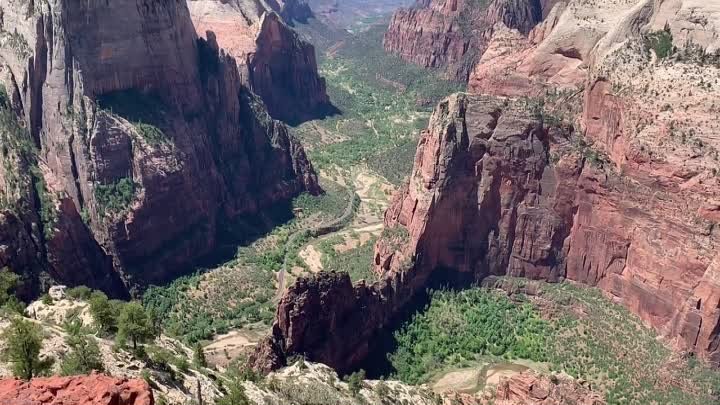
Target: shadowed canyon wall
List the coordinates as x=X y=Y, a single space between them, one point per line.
x=274 y=62
x=138 y=137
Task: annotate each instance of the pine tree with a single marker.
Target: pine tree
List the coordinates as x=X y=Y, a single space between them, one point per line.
x=102 y=312
x=199 y=356
x=84 y=356
x=134 y=325
x=23 y=340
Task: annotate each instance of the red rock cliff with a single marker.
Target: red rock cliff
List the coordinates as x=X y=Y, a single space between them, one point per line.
x=145 y=136
x=274 y=61
x=94 y=389
x=493 y=192
x=453 y=34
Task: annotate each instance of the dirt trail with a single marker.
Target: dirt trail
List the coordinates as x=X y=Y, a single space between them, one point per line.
x=374 y=193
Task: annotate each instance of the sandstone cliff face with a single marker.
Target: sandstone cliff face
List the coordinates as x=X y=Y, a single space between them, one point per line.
x=494 y=192
x=145 y=133
x=94 y=389
x=453 y=34
x=274 y=62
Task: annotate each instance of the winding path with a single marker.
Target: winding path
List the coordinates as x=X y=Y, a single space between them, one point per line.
x=316 y=231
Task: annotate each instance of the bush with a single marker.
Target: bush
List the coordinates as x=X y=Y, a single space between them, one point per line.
x=103 y=313
x=661 y=42
x=356 y=381
x=79 y=293
x=115 y=198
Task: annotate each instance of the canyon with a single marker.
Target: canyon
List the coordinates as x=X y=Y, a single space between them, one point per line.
x=274 y=62
x=581 y=185
x=141 y=139
x=137 y=140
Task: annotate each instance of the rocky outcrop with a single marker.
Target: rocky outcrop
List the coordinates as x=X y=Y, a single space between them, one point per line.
x=453 y=34
x=143 y=134
x=94 y=389
x=529 y=388
x=274 y=62
x=495 y=192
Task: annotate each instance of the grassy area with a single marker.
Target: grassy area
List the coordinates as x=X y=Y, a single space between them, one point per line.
x=357 y=262
x=384 y=103
x=240 y=293
x=598 y=341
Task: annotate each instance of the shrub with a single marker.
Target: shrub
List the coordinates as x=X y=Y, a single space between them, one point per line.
x=115 y=198
x=356 y=382
x=661 y=42
x=79 y=293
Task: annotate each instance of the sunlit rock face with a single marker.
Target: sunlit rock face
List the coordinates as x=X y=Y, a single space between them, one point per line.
x=145 y=137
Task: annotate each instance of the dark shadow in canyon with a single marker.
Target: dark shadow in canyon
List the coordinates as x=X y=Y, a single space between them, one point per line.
x=377 y=365
x=321 y=112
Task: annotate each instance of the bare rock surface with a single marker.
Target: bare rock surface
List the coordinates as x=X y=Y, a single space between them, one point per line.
x=273 y=60
x=94 y=389
x=144 y=137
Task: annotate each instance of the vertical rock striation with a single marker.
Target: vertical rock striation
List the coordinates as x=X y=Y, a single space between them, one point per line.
x=273 y=60
x=495 y=192
x=453 y=34
x=144 y=136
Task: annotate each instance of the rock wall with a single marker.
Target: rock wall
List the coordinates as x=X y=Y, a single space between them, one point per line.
x=274 y=62
x=495 y=192
x=144 y=133
x=453 y=34
x=94 y=389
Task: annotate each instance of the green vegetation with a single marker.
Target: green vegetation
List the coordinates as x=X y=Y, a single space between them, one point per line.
x=598 y=341
x=84 y=356
x=462 y=326
x=103 y=313
x=23 y=341
x=134 y=325
x=384 y=101
x=8 y=283
x=48 y=212
x=145 y=111
x=115 y=198
x=199 y=356
x=357 y=262
x=661 y=42
x=355 y=382
x=239 y=293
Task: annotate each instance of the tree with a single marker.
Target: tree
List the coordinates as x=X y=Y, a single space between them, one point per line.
x=235 y=395
x=355 y=382
x=84 y=355
x=199 y=356
x=134 y=325
x=23 y=341
x=102 y=312
x=8 y=283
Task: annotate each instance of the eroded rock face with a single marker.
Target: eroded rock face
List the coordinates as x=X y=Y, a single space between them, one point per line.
x=274 y=62
x=94 y=389
x=145 y=134
x=453 y=34
x=529 y=388
x=494 y=192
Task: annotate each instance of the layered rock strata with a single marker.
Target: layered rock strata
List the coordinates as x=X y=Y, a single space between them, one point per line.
x=142 y=136
x=494 y=191
x=273 y=60
x=453 y=34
